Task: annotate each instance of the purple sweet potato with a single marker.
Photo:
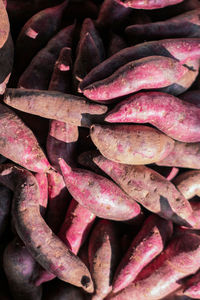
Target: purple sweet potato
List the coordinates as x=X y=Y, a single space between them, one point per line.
x=131 y=144
x=162 y=276
x=188 y=183
x=184 y=25
x=192 y=286
x=151 y=72
x=63 y=107
x=5 y=207
x=148 y=243
x=103 y=252
x=183 y=50
x=143 y=4
x=21 y=268
x=150 y=189
x=19 y=144
x=43 y=185
x=4 y=24
x=38 y=74
x=98 y=194
x=178 y=119
x=36 y=33
x=43 y=245
x=183 y=155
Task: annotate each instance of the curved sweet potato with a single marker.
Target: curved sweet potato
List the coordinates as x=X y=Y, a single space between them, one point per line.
x=143 y=4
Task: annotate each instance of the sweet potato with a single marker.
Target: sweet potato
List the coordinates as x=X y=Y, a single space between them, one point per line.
x=19 y=144
x=20 y=269
x=116 y=43
x=43 y=185
x=38 y=74
x=151 y=72
x=43 y=245
x=67 y=108
x=143 y=4
x=162 y=276
x=5 y=207
x=178 y=119
x=184 y=25
x=98 y=194
x=4 y=24
x=103 y=252
x=150 y=189
x=188 y=183
x=148 y=243
x=192 y=286
x=36 y=33
x=183 y=50
x=131 y=144
x=183 y=155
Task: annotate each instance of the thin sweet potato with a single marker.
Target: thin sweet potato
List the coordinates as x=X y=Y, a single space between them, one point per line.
x=63 y=107
x=5 y=207
x=103 y=252
x=151 y=72
x=131 y=144
x=44 y=246
x=188 y=183
x=152 y=4
x=19 y=144
x=176 y=118
x=150 y=189
x=148 y=243
x=98 y=194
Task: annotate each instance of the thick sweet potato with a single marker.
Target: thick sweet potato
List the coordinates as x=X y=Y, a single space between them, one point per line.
x=150 y=189
x=148 y=243
x=178 y=119
x=143 y=4
x=162 y=276
x=98 y=194
x=151 y=72
x=131 y=144
x=103 y=252
x=63 y=107
x=5 y=207
x=188 y=183
x=44 y=246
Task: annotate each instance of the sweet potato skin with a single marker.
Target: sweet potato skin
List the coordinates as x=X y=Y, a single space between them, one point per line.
x=148 y=243
x=131 y=144
x=4 y=24
x=188 y=183
x=98 y=194
x=176 y=118
x=43 y=186
x=142 y=4
x=192 y=286
x=150 y=189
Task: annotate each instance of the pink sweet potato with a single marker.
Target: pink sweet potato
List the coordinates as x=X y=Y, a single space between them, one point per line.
x=43 y=245
x=150 y=189
x=162 y=276
x=131 y=144
x=36 y=33
x=188 y=183
x=43 y=185
x=63 y=107
x=143 y=4
x=20 y=269
x=151 y=72
x=148 y=243
x=178 y=119
x=98 y=194
x=5 y=207
x=19 y=144
x=103 y=252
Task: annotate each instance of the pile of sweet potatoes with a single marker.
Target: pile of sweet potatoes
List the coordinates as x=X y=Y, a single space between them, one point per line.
x=99 y=149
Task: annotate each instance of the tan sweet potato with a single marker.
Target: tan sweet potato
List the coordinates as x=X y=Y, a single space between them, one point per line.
x=188 y=183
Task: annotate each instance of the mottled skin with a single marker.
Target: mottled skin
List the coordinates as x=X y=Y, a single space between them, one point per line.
x=183 y=155
x=59 y=106
x=5 y=207
x=36 y=33
x=43 y=186
x=21 y=268
x=147 y=244
x=150 y=4
x=98 y=194
x=18 y=143
x=150 y=189
x=131 y=144
x=188 y=183
x=184 y=25
x=38 y=73
x=183 y=50
x=162 y=276
x=45 y=247
x=103 y=253
x=176 y=118
x=151 y=72
x=4 y=24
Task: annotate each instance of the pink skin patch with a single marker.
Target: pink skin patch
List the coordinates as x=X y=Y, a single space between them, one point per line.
x=31 y=33
x=64 y=68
